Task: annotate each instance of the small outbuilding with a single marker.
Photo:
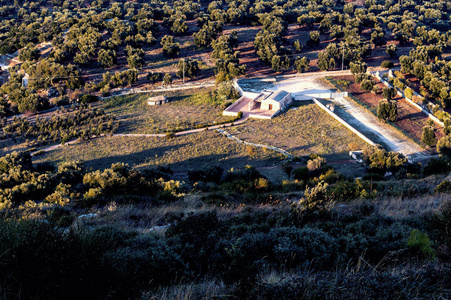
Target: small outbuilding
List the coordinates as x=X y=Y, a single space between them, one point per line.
x=277 y=100
x=158 y=100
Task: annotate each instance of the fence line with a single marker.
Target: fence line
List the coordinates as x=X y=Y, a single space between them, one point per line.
x=401 y=94
x=230 y=136
x=344 y=122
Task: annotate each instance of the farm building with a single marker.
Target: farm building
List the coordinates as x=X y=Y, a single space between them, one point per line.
x=275 y=101
x=158 y=100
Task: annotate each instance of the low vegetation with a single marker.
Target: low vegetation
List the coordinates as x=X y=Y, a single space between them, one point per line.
x=300 y=132
x=79 y=121
x=187 y=109
x=123 y=232
x=180 y=153
x=202 y=216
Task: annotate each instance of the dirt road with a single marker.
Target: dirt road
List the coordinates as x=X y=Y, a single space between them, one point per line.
x=368 y=124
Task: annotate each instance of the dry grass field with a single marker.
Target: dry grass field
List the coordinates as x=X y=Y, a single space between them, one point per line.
x=187 y=109
x=303 y=130
x=190 y=152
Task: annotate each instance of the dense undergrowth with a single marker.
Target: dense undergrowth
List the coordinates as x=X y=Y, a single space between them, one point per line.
x=125 y=234
x=80 y=121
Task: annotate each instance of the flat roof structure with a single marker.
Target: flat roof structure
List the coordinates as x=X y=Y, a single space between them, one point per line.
x=278 y=95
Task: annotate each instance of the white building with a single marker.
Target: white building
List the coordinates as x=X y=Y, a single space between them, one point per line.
x=158 y=100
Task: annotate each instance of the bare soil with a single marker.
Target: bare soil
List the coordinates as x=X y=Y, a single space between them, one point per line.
x=410 y=119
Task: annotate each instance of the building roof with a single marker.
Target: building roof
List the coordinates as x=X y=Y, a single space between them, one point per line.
x=156 y=98
x=278 y=96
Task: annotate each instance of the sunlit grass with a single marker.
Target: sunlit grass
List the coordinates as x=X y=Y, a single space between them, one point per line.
x=187 y=109
x=195 y=151
x=301 y=131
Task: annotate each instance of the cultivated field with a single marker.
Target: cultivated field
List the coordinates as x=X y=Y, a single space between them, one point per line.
x=187 y=109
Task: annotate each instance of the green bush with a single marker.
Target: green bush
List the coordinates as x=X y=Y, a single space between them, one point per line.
x=419 y=242
x=444 y=187
x=436 y=166
x=310 y=246
x=387 y=64
x=301 y=174
x=315 y=205
x=213 y=174
x=88 y=98
x=367 y=85
x=408 y=92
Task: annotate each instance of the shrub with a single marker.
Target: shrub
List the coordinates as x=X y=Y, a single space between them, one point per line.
x=444 y=187
x=387 y=110
x=301 y=174
x=227 y=90
x=198 y=233
x=417 y=99
x=188 y=67
x=408 y=92
x=358 y=68
x=88 y=98
x=155 y=77
x=167 y=79
x=387 y=64
x=420 y=243
x=399 y=84
x=208 y=175
x=367 y=85
x=315 y=204
x=310 y=246
x=376 y=90
x=399 y=75
x=346 y=190
x=428 y=136
x=388 y=93
x=436 y=166
x=316 y=164
x=444 y=146
x=170 y=135
x=360 y=77
x=170 y=48
x=379 y=160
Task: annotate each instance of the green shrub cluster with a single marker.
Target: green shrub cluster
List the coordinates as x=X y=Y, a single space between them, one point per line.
x=82 y=122
x=27 y=186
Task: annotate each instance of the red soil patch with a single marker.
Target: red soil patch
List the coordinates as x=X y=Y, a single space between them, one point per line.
x=410 y=119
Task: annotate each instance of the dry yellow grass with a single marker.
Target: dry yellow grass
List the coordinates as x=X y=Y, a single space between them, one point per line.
x=195 y=151
x=187 y=109
x=301 y=131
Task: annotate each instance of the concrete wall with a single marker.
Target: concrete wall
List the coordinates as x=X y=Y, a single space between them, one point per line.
x=308 y=97
x=344 y=123
x=227 y=111
x=265 y=117
x=237 y=86
x=275 y=105
x=230 y=113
